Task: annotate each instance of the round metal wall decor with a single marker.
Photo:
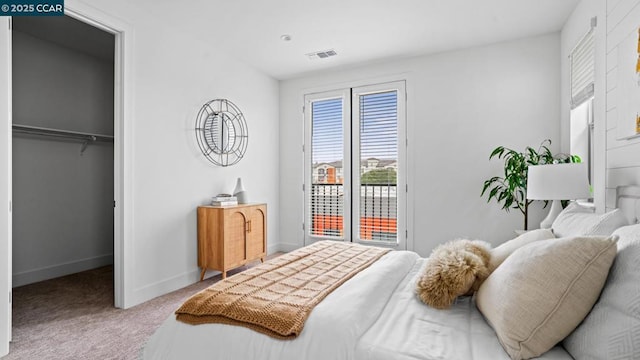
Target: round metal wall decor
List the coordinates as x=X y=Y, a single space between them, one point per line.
x=221 y=132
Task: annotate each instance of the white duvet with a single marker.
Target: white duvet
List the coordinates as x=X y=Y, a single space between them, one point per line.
x=374 y=316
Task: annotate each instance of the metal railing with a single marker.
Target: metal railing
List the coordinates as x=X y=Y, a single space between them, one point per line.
x=378 y=211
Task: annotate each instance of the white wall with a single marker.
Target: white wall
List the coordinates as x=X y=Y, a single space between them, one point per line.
x=172 y=76
x=574 y=29
x=62 y=200
x=461 y=105
x=622 y=159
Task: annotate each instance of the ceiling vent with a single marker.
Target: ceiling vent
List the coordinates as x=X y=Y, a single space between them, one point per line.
x=322 y=54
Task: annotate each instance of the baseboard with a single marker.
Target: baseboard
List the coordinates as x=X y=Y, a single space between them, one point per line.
x=162 y=287
x=54 y=271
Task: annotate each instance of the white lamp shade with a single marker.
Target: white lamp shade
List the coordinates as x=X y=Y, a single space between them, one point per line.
x=558 y=182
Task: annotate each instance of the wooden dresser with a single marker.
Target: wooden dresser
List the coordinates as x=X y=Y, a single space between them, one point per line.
x=231 y=236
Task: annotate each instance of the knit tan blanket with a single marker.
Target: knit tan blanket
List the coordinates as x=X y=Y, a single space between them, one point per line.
x=276 y=298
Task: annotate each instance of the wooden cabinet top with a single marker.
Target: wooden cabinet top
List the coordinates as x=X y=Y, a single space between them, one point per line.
x=232 y=206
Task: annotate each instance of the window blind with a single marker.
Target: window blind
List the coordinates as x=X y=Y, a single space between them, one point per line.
x=582 y=61
x=379 y=125
x=378 y=141
x=327 y=192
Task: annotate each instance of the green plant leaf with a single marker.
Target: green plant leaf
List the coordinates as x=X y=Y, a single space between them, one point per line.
x=497 y=151
x=510 y=189
x=508 y=201
x=488 y=183
x=493 y=192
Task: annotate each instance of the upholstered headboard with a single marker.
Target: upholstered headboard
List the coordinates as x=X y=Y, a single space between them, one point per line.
x=628 y=201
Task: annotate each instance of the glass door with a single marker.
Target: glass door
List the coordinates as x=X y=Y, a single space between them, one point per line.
x=327 y=166
x=379 y=169
x=355 y=165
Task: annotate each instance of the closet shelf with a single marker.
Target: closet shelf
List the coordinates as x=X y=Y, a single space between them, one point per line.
x=86 y=138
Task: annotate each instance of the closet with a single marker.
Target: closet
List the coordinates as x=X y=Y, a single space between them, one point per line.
x=63 y=154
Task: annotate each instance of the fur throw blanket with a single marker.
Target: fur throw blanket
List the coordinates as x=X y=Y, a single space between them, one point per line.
x=455 y=268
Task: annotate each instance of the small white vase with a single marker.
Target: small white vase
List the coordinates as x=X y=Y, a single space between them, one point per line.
x=240 y=193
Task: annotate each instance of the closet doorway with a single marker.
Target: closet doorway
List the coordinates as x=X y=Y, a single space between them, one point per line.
x=121 y=204
x=63 y=87
x=62 y=153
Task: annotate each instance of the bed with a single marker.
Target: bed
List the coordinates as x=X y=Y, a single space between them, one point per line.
x=376 y=315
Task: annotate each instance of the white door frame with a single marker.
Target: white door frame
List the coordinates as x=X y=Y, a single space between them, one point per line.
x=122 y=146
x=350 y=122
x=5 y=186
x=123 y=203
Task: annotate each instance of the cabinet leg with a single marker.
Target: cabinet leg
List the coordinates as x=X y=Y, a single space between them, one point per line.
x=261 y=259
x=204 y=270
x=224 y=274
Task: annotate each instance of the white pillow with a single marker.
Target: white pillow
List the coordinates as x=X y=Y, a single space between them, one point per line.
x=500 y=253
x=543 y=291
x=576 y=220
x=612 y=328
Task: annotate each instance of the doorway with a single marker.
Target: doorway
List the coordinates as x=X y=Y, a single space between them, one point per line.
x=62 y=147
x=122 y=227
x=355 y=165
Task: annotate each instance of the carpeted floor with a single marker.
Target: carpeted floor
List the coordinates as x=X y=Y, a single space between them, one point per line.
x=73 y=317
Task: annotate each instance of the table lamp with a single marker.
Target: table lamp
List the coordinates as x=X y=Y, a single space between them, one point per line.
x=557 y=182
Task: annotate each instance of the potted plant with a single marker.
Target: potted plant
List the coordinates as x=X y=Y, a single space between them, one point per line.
x=510 y=190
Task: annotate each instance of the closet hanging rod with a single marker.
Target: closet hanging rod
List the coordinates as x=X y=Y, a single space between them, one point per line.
x=36 y=130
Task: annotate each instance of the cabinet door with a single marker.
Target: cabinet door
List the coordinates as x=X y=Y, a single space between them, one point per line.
x=235 y=228
x=257 y=232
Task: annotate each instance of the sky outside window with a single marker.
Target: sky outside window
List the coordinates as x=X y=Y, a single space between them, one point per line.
x=378 y=128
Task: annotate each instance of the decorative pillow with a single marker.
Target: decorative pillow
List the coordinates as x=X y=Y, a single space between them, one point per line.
x=612 y=328
x=500 y=253
x=543 y=291
x=455 y=268
x=576 y=220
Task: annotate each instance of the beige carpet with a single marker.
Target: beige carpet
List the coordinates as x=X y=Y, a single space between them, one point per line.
x=73 y=317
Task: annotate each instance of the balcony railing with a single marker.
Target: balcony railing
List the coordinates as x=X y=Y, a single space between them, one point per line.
x=378 y=211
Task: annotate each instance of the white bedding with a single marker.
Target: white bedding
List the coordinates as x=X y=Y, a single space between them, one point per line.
x=375 y=315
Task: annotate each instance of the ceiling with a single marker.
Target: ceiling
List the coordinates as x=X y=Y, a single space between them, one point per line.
x=360 y=31
x=68 y=32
